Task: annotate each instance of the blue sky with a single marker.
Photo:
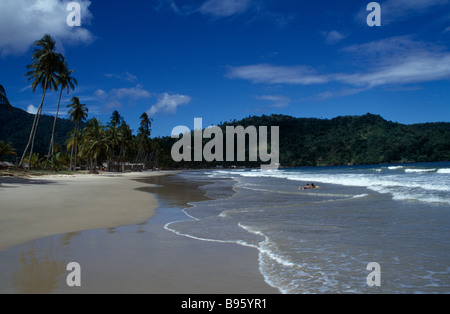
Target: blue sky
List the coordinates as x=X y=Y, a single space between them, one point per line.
x=228 y=59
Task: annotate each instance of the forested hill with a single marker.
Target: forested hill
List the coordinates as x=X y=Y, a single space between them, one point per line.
x=367 y=139
x=15 y=127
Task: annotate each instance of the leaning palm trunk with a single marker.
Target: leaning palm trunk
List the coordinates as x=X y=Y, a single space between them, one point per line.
x=76 y=150
x=33 y=129
x=73 y=145
x=39 y=113
x=51 y=148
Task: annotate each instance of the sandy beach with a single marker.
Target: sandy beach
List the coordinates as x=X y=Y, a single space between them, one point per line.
x=49 y=205
x=112 y=226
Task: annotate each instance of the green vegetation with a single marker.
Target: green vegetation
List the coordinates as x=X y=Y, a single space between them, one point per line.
x=15 y=125
x=76 y=143
x=346 y=140
x=65 y=81
x=367 y=139
x=43 y=72
x=6 y=149
x=78 y=113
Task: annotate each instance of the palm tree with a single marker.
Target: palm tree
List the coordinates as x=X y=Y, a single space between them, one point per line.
x=65 y=81
x=112 y=139
x=93 y=142
x=3 y=99
x=78 y=112
x=46 y=63
x=125 y=139
x=112 y=136
x=116 y=119
x=144 y=133
x=6 y=149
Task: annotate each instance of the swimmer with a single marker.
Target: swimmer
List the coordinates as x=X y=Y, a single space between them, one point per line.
x=307 y=187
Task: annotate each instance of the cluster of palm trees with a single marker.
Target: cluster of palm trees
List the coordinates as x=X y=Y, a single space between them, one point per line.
x=90 y=142
x=50 y=71
x=114 y=143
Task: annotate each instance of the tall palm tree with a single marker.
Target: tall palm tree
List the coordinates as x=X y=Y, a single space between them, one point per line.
x=112 y=135
x=116 y=119
x=65 y=81
x=125 y=135
x=78 y=112
x=46 y=63
x=94 y=143
x=112 y=139
x=144 y=133
x=3 y=99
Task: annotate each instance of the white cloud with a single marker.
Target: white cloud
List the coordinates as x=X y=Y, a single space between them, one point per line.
x=168 y=103
x=392 y=61
x=116 y=96
x=214 y=8
x=32 y=109
x=333 y=37
x=397 y=46
x=277 y=101
x=224 y=8
x=127 y=76
x=399 y=60
x=22 y=22
x=270 y=74
x=133 y=93
x=415 y=69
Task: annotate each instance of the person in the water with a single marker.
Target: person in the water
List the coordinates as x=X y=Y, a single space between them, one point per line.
x=309 y=187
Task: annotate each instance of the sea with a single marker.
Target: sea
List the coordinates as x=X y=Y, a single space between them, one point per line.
x=324 y=240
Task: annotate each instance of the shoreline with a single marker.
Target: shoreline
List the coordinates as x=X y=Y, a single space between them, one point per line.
x=36 y=207
x=120 y=251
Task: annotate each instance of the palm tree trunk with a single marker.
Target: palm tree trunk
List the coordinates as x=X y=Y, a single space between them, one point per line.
x=34 y=127
x=34 y=135
x=123 y=160
x=73 y=144
x=29 y=141
x=76 y=149
x=51 y=148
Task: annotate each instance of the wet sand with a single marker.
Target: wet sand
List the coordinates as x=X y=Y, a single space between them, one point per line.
x=49 y=205
x=136 y=258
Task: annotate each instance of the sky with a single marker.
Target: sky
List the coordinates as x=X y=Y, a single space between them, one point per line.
x=221 y=60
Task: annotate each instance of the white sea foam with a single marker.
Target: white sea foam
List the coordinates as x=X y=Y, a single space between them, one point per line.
x=419 y=170
x=418 y=184
x=265 y=247
x=360 y=195
x=395 y=167
x=243 y=243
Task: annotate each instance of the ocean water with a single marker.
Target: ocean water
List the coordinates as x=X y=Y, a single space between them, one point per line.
x=322 y=240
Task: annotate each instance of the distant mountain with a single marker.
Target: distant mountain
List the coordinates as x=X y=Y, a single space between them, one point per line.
x=367 y=139
x=15 y=127
x=345 y=140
